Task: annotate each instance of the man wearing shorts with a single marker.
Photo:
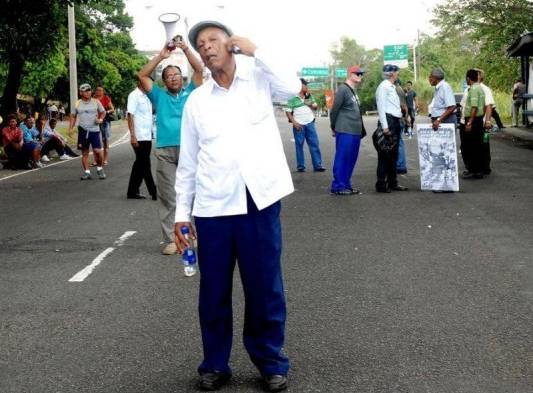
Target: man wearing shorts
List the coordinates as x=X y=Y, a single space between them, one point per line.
x=90 y=113
x=105 y=127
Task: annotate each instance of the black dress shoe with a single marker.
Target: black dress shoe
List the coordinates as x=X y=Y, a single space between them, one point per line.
x=383 y=189
x=213 y=381
x=274 y=383
x=321 y=169
x=136 y=196
x=399 y=188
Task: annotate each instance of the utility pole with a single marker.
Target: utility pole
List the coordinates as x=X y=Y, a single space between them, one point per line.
x=414 y=60
x=73 y=70
x=419 y=53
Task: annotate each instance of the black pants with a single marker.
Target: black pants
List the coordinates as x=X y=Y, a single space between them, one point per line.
x=386 y=171
x=52 y=144
x=472 y=149
x=141 y=169
x=16 y=159
x=496 y=117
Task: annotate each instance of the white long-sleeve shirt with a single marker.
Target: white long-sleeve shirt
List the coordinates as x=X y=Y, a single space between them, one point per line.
x=387 y=101
x=230 y=142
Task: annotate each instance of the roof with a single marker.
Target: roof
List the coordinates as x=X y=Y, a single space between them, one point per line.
x=523 y=46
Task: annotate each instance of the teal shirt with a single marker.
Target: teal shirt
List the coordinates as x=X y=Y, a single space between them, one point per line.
x=169 y=110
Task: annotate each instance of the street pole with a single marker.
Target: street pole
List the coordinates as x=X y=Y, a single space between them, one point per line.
x=414 y=60
x=73 y=71
x=419 y=53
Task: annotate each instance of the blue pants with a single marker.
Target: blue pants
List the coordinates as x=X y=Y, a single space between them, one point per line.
x=254 y=241
x=346 y=153
x=307 y=133
x=401 y=162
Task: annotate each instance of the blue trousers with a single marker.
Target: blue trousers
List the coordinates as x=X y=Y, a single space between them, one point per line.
x=253 y=240
x=307 y=133
x=346 y=153
x=401 y=162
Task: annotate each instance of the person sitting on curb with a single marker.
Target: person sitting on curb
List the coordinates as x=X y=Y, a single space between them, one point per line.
x=48 y=142
x=31 y=148
x=51 y=131
x=12 y=140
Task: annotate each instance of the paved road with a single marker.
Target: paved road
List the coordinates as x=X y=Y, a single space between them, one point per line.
x=404 y=292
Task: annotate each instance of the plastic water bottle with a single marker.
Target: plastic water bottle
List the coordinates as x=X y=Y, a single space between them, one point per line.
x=189 y=255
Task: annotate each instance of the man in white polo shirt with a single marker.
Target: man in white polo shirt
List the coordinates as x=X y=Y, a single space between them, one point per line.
x=299 y=111
x=140 y=123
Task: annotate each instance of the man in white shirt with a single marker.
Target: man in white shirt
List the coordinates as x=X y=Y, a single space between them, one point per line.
x=390 y=113
x=140 y=123
x=443 y=103
x=233 y=166
x=300 y=113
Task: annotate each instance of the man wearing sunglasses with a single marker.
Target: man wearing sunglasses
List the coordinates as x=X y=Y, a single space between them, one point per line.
x=347 y=127
x=169 y=105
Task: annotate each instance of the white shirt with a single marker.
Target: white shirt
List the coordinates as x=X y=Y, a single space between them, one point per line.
x=388 y=101
x=489 y=98
x=442 y=98
x=141 y=108
x=230 y=142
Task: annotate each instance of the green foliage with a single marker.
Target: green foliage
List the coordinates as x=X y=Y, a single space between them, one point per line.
x=350 y=53
x=485 y=28
x=106 y=54
x=41 y=75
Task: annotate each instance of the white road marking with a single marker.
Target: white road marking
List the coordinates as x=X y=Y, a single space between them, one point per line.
x=123 y=139
x=85 y=272
x=124 y=237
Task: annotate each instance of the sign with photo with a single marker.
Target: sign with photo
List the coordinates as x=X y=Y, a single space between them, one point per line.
x=437 y=152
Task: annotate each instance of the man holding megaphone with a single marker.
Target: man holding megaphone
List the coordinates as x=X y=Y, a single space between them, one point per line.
x=169 y=105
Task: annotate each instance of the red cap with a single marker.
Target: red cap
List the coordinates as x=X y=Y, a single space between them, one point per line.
x=355 y=69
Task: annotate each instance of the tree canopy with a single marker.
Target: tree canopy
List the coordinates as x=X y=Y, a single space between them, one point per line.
x=34 y=49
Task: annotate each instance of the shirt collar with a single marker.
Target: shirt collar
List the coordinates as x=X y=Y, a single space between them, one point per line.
x=241 y=72
x=439 y=84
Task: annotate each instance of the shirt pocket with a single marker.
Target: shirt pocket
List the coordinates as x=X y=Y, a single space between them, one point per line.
x=209 y=129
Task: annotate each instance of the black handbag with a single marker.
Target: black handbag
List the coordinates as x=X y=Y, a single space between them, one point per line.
x=110 y=116
x=382 y=142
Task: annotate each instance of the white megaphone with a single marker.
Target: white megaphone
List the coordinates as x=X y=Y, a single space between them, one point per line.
x=170 y=21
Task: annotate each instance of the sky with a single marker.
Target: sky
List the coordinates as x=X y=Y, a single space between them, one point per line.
x=301 y=32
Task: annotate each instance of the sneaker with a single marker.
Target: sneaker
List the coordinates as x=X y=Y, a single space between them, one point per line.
x=86 y=176
x=64 y=157
x=39 y=164
x=45 y=158
x=101 y=174
x=169 y=249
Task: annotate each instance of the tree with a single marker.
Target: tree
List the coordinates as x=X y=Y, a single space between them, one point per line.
x=483 y=30
x=23 y=38
x=34 y=48
x=350 y=53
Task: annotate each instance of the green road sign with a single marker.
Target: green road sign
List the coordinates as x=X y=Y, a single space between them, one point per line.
x=315 y=85
x=341 y=73
x=315 y=71
x=396 y=54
